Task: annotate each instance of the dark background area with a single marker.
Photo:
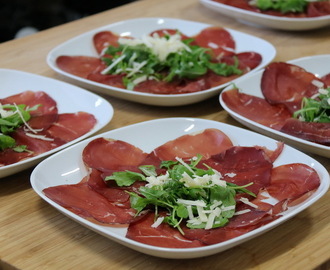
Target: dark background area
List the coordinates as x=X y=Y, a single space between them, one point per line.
x=43 y=14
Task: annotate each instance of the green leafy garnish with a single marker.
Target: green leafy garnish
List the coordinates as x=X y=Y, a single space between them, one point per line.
x=315 y=109
x=11 y=118
x=187 y=193
x=139 y=61
x=284 y=6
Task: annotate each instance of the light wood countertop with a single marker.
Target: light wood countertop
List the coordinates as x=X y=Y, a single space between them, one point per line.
x=34 y=235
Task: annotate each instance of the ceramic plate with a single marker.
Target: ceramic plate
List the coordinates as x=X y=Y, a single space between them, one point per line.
x=66 y=167
x=251 y=85
x=82 y=45
x=281 y=23
x=69 y=99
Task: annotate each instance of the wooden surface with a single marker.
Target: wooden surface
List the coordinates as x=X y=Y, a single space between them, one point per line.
x=33 y=235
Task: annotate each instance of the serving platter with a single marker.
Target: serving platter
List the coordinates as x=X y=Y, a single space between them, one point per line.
x=318 y=65
x=66 y=167
x=82 y=45
x=263 y=20
x=69 y=99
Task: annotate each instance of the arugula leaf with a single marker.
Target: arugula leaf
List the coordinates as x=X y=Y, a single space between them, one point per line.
x=126 y=178
x=315 y=109
x=283 y=6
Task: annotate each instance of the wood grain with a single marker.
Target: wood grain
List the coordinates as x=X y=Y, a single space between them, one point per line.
x=33 y=235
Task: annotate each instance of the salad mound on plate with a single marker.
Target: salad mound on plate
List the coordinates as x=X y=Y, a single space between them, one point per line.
x=196 y=190
x=163 y=62
x=31 y=125
x=283 y=8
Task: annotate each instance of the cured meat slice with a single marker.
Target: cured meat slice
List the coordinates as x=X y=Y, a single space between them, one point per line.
x=243 y=165
x=206 y=143
x=326 y=79
x=87 y=203
x=46 y=112
x=80 y=66
x=320 y=8
x=310 y=131
x=71 y=126
x=161 y=236
x=104 y=39
x=291 y=181
x=218 y=39
x=272 y=116
x=118 y=153
x=287 y=84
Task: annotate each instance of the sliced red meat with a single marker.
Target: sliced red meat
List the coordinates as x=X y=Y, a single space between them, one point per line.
x=287 y=84
x=319 y=8
x=71 y=126
x=291 y=181
x=85 y=202
x=326 y=79
x=115 y=80
x=9 y=156
x=80 y=66
x=171 y=32
x=118 y=153
x=218 y=39
x=161 y=236
x=105 y=39
x=207 y=143
x=310 y=131
x=250 y=107
x=243 y=165
x=44 y=115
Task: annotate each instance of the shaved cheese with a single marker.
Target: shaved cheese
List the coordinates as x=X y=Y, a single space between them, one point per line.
x=41 y=137
x=246 y=201
x=157 y=222
x=113 y=64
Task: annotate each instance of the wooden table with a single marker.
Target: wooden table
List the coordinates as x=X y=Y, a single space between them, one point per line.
x=33 y=235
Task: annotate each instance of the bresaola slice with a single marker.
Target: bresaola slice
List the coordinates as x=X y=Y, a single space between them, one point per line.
x=221 y=45
x=283 y=86
x=239 y=164
x=47 y=128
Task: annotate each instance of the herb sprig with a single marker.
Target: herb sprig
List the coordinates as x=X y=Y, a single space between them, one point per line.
x=187 y=192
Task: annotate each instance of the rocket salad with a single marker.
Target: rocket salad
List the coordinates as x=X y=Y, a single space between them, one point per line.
x=284 y=6
x=187 y=192
x=163 y=59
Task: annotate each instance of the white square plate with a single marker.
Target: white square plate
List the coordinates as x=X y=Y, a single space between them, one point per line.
x=82 y=45
x=69 y=99
x=66 y=167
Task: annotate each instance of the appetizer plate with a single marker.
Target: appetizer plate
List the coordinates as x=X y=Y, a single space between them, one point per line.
x=69 y=99
x=318 y=65
x=82 y=45
x=66 y=167
x=281 y=23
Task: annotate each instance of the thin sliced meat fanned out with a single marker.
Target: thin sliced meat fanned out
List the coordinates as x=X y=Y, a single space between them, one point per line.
x=243 y=165
x=80 y=66
x=272 y=116
x=218 y=39
x=310 y=131
x=104 y=39
x=46 y=112
x=71 y=126
x=118 y=154
x=206 y=143
x=162 y=236
x=287 y=84
x=87 y=203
